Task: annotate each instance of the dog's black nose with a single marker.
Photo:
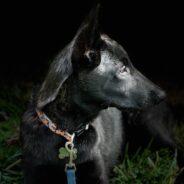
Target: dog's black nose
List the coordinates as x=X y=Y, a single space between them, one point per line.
x=157 y=96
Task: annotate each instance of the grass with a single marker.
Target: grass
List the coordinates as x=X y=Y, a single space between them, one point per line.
x=180 y=138
x=11 y=108
x=142 y=168
x=147 y=168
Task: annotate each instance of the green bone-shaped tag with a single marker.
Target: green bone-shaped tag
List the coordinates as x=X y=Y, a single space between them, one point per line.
x=63 y=153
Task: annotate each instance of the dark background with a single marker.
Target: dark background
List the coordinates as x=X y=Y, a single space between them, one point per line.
x=32 y=33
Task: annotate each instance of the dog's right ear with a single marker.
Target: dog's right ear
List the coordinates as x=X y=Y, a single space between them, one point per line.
x=86 y=44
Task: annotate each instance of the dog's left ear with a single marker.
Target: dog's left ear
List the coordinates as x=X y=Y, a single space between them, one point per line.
x=86 y=46
x=60 y=70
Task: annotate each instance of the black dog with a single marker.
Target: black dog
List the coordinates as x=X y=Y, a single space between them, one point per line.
x=89 y=80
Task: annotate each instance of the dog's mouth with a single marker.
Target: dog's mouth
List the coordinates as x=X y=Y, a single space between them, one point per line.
x=140 y=105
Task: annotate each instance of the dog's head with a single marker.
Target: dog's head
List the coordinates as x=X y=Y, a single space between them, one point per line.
x=102 y=70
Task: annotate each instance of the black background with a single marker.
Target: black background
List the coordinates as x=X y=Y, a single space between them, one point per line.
x=32 y=33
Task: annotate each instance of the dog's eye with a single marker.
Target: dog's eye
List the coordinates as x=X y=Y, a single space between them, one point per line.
x=123 y=70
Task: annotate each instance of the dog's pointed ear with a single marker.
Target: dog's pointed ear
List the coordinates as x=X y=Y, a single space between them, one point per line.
x=87 y=40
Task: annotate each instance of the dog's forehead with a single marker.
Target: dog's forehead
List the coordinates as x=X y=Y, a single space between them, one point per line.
x=114 y=46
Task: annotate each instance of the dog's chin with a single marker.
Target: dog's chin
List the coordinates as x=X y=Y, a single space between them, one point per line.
x=125 y=108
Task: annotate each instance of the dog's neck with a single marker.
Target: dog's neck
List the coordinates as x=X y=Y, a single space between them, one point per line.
x=70 y=110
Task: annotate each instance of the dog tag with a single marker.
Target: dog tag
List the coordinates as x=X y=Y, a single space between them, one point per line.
x=63 y=153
